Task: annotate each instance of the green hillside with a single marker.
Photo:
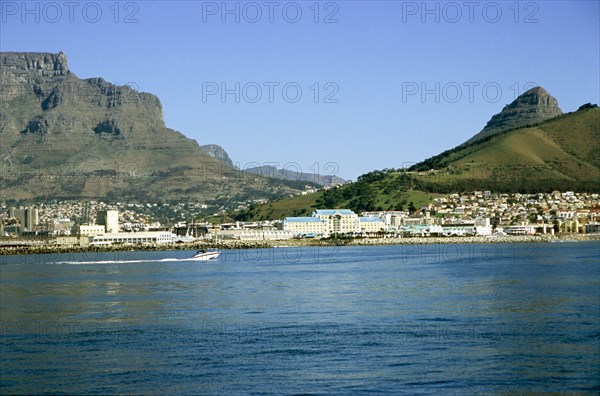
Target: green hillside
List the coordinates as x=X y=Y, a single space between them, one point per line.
x=562 y=153
x=378 y=190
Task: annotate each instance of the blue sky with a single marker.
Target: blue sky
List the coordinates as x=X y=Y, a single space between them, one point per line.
x=383 y=83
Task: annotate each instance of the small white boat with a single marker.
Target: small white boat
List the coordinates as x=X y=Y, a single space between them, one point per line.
x=205 y=255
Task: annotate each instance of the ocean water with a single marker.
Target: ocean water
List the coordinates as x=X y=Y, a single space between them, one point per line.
x=442 y=319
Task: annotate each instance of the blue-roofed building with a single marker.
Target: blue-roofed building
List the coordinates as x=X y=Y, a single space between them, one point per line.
x=330 y=212
x=325 y=222
x=302 y=219
x=339 y=221
x=303 y=226
x=371 y=224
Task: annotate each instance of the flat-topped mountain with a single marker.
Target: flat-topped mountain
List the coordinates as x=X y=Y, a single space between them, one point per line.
x=66 y=137
x=533 y=106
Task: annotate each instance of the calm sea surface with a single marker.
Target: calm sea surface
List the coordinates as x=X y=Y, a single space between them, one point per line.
x=444 y=319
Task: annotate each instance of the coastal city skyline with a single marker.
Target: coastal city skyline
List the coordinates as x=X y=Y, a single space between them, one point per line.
x=480 y=213
x=212 y=66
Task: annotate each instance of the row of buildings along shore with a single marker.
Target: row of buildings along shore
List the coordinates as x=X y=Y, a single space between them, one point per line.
x=475 y=214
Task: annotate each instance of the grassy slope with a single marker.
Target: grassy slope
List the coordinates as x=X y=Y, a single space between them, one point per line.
x=565 y=148
x=302 y=205
x=306 y=204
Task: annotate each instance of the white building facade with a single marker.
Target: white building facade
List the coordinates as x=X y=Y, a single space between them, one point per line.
x=371 y=225
x=299 y=226
x=339 y=221
x=153 y=237
x=91 y=230
x=520 y=230
x=326 y=222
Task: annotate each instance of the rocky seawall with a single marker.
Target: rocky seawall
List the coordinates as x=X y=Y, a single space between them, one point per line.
x=230 y=244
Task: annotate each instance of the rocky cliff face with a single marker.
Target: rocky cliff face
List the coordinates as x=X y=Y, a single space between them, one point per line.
x=27 y=65
x=41 y=96
x=64 y=137
x=219 y=153
x=531 y=107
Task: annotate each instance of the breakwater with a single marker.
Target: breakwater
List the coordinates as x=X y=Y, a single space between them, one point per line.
x=16 y=249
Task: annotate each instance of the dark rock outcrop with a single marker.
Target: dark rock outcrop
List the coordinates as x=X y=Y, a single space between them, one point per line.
x=531 y=107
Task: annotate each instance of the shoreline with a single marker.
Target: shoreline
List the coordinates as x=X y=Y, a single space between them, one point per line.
x=268 y=244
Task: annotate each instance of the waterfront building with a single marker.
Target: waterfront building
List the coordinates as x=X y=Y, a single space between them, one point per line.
x=304 y=226
x=458 y=229
x=592 y=228
x=256 y=235
x=371 y=225
x=154 y=237
x=483 y=226
x=60 y=227
x=520 y=230
x=394 y=218
x=91 y=230
x=338 y=221
x=70 y=241
x=333 y=221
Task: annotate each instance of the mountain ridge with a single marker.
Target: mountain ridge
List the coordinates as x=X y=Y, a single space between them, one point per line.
x=219 y=153
x=65 y=137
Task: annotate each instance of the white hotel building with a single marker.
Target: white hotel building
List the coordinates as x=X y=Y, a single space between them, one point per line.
x=332 y=221
x=338 y=221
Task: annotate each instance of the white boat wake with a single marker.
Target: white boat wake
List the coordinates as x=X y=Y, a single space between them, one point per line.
x=165 y=260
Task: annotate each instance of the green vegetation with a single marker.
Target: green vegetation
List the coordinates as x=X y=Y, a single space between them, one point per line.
x=302 y=205
x=378 y=190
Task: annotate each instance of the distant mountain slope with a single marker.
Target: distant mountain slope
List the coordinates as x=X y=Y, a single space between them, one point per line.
x=288 y=174
x=64 y=137
x=219 y=153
